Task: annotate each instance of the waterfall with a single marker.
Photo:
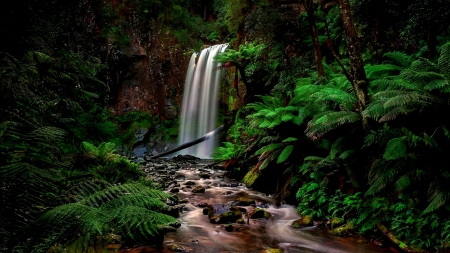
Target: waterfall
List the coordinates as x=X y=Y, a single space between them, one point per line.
x=200 y=101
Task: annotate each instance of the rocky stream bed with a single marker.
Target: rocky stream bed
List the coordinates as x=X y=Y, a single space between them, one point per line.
x=219 y=214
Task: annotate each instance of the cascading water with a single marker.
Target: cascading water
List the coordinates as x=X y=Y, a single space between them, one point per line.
x=200 y=101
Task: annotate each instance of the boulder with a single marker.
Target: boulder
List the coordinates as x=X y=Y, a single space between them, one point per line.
x=198 y=189
x=259 y=213
x=222 y=213
x=243 y=201
x=304 y=221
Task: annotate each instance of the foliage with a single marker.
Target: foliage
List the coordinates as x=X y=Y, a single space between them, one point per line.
x=392 y=173
x=131 y=210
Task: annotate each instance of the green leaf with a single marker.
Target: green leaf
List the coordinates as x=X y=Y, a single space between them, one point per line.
x=285 y=154
x=290 y=139
x=395 y=149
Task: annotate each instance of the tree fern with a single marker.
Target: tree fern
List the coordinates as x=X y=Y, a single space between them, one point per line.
x=322 y=124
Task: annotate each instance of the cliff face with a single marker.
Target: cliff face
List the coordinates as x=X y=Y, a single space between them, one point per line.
x=152 y=76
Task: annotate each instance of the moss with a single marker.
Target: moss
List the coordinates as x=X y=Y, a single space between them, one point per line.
x=345 y=229
x=272 y=251
x=336 y=222
x=250 y=178
x=305 y=221
x=199 y=189
x=259 y=213
x=242 y=201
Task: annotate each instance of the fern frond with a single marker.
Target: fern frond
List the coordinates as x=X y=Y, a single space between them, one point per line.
x=270 y=147
x=382 y=70
x=402 y=183
x=285 y=153
x=380 y=175
x=444 y=60
x=319 y=126
x=335 y=96
x=400 y=58
x=395 y=149
x=439 y=199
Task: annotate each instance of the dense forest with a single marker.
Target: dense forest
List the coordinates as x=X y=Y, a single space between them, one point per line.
x=336 y=106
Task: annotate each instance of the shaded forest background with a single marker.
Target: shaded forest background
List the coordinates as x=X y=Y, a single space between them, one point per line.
x=344 y=103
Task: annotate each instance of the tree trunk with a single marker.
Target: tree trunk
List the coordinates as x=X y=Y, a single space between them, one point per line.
x=358 y=75
x=191 y=143
x=309 y=5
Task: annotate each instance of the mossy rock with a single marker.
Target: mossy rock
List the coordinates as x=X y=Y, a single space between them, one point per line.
x=175 y=247
x=336 y=222
x=190 y=183
x=230 y=216
x=259 y=213
x=198 y=189
x=345 y=229
x=304 y=221
x=240 y=221
x=272 y=251
x=243 y=201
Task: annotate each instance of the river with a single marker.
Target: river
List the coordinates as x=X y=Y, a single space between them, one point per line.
x=197 y=234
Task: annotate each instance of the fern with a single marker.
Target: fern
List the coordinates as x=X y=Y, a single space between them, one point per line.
x=285 y=153
x=395 y=149
x=322 y=124
x=133 y=209
x=399 y=58
x=443 y=62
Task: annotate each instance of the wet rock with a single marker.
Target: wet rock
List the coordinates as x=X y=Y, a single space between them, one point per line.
x=198 y=189
x=176 y=224
x=336 y=222
x=259 y=213
x=304 y=221
x=234 y=185
x=227 y=193
x=272 y=251
x=176 y=247
x=140 y=151
x=140 y=160
x=205 y=176
x=240 y=221
x=174 y=190
x=229 y=228
x=230 y=216
x=180 y=177
x=173 y=211
x=190 y=183
x=201 y=205
x=243 y=201
x=346 y=229
x=184 y=201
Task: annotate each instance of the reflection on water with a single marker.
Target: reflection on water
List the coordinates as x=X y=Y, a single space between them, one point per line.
x=197 y=234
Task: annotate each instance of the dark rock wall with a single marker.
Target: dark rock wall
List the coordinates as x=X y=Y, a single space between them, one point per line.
x=155 y=75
